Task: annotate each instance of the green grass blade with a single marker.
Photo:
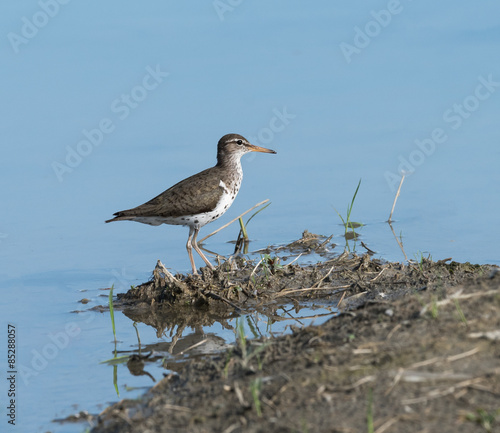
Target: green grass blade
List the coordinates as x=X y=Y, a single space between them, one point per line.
x=342 y=219
x=255 y=213
x=116 y=360
x=253 y=329
x=369 y=413
x=112 y=311
x=460 y=312
x=348 y=224
x=349 y=210
x=115 y=379
x=354 y=197
x=243 y=229
x=255 y=387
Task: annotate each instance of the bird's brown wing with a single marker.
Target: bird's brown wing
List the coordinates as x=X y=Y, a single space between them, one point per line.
x=196 y=194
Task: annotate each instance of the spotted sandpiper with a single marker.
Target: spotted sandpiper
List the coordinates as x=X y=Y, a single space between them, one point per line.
x=199 y=199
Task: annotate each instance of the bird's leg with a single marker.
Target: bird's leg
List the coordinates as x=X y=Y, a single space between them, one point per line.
x=189 y=249
x=197 y=248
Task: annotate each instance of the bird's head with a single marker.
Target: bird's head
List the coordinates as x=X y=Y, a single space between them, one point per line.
x=233 y=146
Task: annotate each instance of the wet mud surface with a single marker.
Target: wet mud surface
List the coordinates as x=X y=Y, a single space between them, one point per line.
x=415 y=348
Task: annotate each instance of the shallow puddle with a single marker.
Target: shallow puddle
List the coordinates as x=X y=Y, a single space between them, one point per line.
x=143 y=355
x=180 y=342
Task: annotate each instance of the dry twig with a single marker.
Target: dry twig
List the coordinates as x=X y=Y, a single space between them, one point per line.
x=287 y=292
x=396 y=198
x=232 y=221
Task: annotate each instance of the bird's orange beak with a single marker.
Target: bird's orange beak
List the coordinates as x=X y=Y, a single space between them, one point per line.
x=254 y=148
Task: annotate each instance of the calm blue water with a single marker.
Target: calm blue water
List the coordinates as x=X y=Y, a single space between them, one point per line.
x=106 y=105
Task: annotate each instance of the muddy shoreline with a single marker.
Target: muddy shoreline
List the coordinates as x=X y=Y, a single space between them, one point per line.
x=415 y=348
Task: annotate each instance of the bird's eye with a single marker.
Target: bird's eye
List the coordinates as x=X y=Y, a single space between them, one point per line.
x=240 y=142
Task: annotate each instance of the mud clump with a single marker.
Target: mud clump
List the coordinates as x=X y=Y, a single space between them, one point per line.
x=415 y=348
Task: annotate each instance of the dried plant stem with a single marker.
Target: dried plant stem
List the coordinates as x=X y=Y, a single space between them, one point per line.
x=308 y=289
x=398 y=241
x=232 y=221
x=396 y=198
